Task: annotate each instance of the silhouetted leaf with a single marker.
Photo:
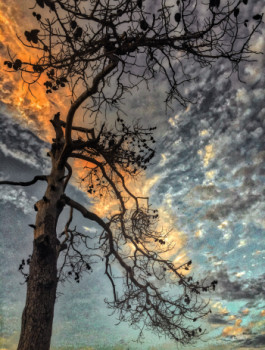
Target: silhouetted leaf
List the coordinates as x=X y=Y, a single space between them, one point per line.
x=78 y=32
x=17 y=64
x=73 y=24
x=28 y=36
x=236 y=12
x=143 y=24
x=8 y=64
x=34 y=36
x=34 y=32
x=187 y=299
x=257 y=17
x=177 y=17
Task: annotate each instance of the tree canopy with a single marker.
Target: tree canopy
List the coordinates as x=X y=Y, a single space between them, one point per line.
x=123 y=43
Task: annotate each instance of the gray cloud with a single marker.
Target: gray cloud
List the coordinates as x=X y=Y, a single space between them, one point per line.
x=18 y=197
x=232 y=115
x=236 y=204
x=217 y=319
x=206 y=192
x=256 y=341
x=250 y=289
x=20 y=143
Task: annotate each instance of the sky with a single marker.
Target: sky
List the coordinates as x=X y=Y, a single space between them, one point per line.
x=207 y=180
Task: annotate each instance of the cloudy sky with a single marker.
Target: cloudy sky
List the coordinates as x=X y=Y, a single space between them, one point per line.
x=207 y=179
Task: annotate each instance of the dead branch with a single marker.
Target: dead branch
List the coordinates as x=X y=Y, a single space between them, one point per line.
x=26 y=183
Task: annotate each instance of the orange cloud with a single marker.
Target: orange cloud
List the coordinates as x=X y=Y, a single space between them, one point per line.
x=262 y=313
x=34 y=109
x=245 y=312
x=231 y=318
x=220 y=309
x=235 y=330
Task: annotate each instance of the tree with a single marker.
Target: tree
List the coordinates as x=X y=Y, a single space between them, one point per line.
x=101 y=50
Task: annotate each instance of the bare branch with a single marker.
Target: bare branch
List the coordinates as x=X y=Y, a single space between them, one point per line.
x=89 y=92
x=143 y=299
x=79 y=128
x=87 y=214
x=67 y=225
x=26 y=183
x=70 y=171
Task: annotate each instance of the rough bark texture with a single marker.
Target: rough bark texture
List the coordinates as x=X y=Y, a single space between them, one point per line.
x=38 y=313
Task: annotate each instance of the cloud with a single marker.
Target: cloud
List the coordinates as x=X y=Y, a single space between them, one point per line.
x=235 y=330
x=239 y=289
x=256 y=341
x=18 y=197
x=205 y=192
x=231 y=318
x=18 y=142
x=240 y=274
x=245 y=312
x=214 y=158
x=220 y=309
x=34 y=108
x=217 y=319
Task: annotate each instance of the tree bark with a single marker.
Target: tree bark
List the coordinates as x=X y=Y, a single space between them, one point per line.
x=37 y=318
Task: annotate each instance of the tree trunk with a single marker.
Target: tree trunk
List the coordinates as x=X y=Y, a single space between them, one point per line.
x=37 y=318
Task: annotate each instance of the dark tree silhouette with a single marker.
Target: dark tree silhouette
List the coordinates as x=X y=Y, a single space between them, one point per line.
x=102 y=49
